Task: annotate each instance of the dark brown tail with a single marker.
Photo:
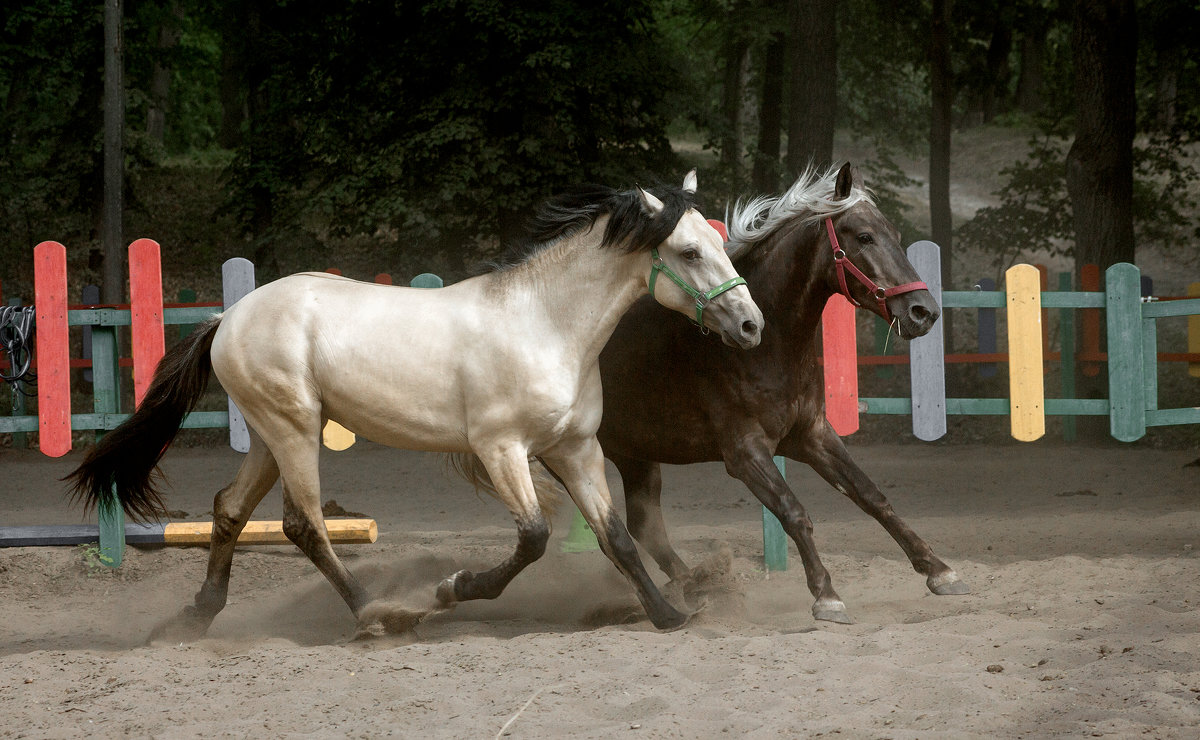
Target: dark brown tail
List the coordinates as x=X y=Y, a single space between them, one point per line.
x=124 y=463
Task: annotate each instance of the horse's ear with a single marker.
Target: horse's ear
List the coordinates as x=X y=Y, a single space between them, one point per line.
x=689 y=182
x=845 y=181
x=651 y=206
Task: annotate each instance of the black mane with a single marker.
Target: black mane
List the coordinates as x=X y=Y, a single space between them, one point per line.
x=577 y=210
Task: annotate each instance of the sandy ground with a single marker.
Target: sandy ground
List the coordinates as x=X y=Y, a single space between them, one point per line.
x=1083 y=619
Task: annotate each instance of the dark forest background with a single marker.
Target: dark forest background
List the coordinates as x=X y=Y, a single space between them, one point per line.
x=294 y=132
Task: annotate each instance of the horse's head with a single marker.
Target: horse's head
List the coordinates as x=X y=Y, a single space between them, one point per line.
x=870 y=267
x=702 y=283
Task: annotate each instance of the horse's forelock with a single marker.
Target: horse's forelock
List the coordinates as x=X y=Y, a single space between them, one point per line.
x=630 y=228
x=811 y=198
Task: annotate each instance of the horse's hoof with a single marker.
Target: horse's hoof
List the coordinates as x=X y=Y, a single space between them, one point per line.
x=671 y=620
x=947 y=584
x=831 y=611
x=187 y=626
x=448 y=591
x=379 y=619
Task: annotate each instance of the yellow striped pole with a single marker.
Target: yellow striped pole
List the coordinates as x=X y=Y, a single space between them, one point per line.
x=1026 y=390
x=341 y=532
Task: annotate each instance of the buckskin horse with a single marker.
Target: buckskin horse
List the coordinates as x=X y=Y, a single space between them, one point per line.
x=502 y=365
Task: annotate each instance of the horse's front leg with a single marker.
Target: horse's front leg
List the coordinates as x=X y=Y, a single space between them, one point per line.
x=821 y=448
x=580 y=466
x=508 y=467
x=748 y=458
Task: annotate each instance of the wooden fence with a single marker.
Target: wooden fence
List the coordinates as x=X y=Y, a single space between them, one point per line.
x=1132 y=358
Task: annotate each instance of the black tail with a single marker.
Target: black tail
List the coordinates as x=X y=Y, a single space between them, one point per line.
x=124 y=462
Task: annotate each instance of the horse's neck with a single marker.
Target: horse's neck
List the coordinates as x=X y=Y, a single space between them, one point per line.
x=795 y=289
x=585 y=289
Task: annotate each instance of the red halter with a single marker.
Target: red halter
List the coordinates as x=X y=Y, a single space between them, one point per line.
x=843 y=263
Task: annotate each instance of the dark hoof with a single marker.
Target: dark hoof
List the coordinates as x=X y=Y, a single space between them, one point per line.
x=831 y=611
x=947 y=584
x=670 y=621
x=450 y=590
x=187 y=626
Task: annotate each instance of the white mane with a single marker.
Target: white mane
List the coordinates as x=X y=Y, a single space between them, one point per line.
x=811 y=198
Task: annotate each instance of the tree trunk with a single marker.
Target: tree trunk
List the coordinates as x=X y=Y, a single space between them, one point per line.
x=942 y=102
x=231 y=90
x=168 y=36
x=1031 y=81
x=998 y=71
x=733 y=93
x=813 y=93
x=262 y=142
x=113 y=274
x=770 y=118
x=1100 y=162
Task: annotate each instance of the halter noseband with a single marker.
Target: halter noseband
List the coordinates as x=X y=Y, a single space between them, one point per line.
x=881 y=295
x=702 y=299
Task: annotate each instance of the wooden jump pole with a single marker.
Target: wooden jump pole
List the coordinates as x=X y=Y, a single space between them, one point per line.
x=341 y=532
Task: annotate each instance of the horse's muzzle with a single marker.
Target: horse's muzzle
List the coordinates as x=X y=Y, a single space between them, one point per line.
x=916 y=313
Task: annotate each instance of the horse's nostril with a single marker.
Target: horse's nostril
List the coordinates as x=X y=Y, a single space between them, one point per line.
x=749 y=328
x=921 y=314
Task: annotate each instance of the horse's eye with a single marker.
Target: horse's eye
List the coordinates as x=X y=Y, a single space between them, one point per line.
x=691 y=255
x=866 y=239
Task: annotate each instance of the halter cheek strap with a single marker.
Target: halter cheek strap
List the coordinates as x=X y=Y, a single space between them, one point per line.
x=843 y=263
x=702 y=299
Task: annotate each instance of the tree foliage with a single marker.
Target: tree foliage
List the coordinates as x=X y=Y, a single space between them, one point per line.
x=437 y=124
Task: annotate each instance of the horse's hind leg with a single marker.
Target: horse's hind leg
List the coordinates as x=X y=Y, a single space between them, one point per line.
x=748 y=458
x=824 y=451
x=508 y=468
x=642 y=481
x=232 y=508
x=303 y=522
x=580 y=466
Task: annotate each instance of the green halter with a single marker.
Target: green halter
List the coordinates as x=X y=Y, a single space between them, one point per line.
x=702 y=299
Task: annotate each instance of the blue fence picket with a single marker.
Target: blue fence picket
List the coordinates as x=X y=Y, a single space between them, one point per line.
x=986 y=331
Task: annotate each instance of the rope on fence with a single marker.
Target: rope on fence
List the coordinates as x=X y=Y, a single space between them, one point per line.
x=16 y=326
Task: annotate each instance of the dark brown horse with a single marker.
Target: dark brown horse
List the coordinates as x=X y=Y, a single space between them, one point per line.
x=674 y=396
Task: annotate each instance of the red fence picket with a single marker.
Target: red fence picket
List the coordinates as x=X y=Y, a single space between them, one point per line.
x=840 y=348
x=53 y=349
x=146 y=310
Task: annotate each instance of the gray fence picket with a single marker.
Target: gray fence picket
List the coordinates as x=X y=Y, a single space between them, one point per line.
x=237 y=279
x=926 y=355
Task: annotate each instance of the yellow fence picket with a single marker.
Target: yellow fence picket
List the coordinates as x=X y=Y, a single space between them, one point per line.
x=337 y=437
x=1027 y=397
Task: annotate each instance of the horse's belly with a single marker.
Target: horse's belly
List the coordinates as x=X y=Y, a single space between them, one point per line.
x=417 y=415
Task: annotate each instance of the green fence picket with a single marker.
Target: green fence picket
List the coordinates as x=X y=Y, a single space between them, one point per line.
x=1126 y=383
x=774 y=538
